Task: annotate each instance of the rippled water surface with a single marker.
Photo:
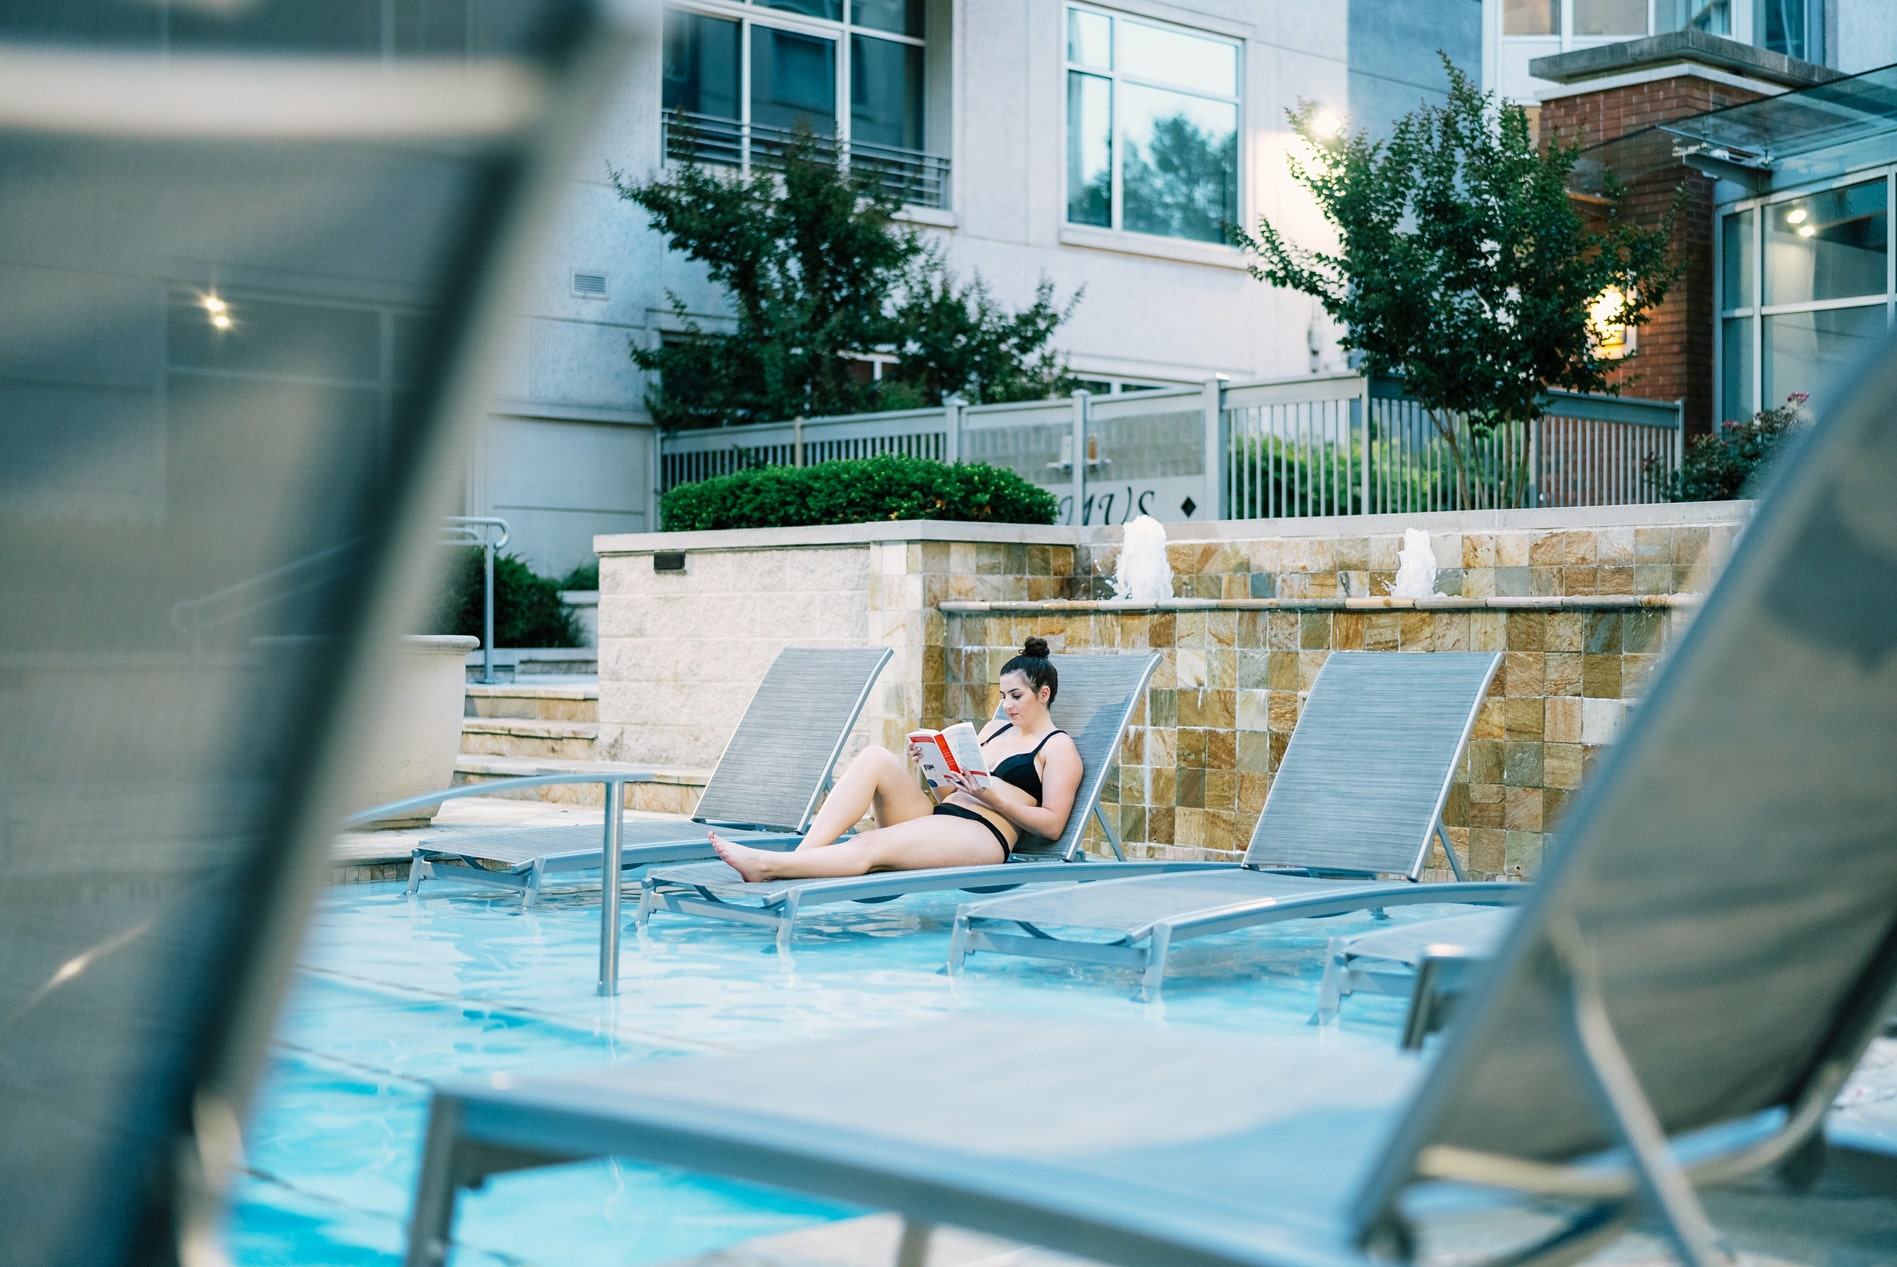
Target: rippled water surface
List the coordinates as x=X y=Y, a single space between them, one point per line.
x=394 y=992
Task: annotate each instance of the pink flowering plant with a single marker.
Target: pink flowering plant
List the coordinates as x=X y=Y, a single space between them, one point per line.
x=1727 y=463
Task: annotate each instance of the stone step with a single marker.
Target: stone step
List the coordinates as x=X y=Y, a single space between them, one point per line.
x=529 y=737
x=531 y=664
x=572 y=701
x=671 y=791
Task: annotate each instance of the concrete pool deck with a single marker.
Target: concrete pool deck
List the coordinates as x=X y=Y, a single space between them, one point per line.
x=487 y=975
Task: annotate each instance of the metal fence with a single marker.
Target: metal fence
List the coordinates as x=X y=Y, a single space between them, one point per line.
x=1315 y=445
x=919 y=179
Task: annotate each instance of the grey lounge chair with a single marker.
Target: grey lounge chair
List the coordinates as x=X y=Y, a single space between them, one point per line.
x=1098 y=696
x=1359 y=795
x=1700 y=967
x=764 y=790
x=1430 y=961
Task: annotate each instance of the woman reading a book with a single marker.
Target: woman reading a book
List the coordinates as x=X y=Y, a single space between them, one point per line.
x=1034 y=774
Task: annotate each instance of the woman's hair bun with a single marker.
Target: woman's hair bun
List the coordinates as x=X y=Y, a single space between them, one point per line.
x=1036 y=647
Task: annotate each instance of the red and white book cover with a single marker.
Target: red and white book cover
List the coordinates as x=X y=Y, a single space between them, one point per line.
x=953 y=749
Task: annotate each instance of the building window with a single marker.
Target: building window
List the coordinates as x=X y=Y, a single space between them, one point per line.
x=740 y=80
x=1152 y=127
x=1805 y=289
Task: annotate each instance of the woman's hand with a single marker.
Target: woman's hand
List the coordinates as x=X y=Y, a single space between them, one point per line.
x=962 y=783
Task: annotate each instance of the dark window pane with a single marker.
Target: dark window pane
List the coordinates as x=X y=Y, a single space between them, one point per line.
x=1736 y=367
x=1180 y=176
x=1832 y=245
x=793 y=80
x=1784 y=26
x=831 y=9
x=1089 y=149
x=1811 y=351
x=885 y=93
x=1740 y=239
x=701 y=65
x=904 y=17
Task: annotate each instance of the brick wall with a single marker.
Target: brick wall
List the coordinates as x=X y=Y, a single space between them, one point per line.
x=1674 y=354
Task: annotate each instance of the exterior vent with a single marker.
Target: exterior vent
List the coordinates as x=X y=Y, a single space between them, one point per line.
x=589 y=285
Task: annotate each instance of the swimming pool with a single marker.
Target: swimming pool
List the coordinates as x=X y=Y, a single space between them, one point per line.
x=394 y=992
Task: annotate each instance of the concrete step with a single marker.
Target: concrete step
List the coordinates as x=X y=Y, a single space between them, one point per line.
x=671 y=791
x=573 y=701
x=529 y=737
x=532 y=664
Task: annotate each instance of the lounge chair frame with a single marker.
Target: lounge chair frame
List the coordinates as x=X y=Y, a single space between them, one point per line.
x=528 y=861
x=1145 y=946
x=1431 y=963
x=713 y=891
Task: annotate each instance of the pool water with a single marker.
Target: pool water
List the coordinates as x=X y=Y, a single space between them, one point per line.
x=393 y=992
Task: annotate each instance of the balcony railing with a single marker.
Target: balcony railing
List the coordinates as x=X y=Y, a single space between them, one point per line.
x=920 y=180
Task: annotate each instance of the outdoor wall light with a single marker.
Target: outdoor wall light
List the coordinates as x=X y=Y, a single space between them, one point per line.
x=1611 y=339
x=219 y=310
x=1806 y=230
x=1796 y=215
x=1326 y=123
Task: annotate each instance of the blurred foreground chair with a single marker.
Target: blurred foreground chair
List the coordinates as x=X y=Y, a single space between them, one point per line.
x=1679 y=1002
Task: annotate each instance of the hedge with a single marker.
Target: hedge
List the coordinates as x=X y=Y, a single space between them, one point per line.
x=857 y=491
x=527 y=607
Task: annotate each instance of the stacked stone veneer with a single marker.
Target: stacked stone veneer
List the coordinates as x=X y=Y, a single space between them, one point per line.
x=1582 y=612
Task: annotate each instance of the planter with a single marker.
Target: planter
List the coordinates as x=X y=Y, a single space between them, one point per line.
x=418 y=734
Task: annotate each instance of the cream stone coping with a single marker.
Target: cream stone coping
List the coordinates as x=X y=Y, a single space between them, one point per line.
x=1544 y=519
x=635 y=543
x=1442 y=602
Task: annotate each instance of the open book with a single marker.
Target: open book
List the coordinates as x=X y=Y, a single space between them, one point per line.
x=954 y=749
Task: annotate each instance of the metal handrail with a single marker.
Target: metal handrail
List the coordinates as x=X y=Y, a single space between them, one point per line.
x=478 y=530
x=921 y=179
x=615 y=785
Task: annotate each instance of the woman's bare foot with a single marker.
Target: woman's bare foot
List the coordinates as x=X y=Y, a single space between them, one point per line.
x=746 y=861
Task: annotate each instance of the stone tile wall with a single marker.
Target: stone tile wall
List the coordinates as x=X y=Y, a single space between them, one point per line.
x=1198 y=760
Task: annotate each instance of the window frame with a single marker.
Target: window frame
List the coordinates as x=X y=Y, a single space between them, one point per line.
x=748 y=15
x=1114 y=76
x=1756 y=313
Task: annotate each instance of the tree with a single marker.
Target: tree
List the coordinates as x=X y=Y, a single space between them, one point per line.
x=1463 y=266
x=819 y=277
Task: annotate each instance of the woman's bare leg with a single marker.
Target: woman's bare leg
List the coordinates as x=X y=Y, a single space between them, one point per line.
x=876 y=781
x=915 y=845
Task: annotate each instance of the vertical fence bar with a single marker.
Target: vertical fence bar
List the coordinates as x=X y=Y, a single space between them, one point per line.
x=487 y=607
x=953 y=407
x=1212 y=407
x=1081 y=399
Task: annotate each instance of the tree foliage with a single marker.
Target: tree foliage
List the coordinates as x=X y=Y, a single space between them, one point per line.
x=857 y=491
x=819 y=276
x=1462 y=265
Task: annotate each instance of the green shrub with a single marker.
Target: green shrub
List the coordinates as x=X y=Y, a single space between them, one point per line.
x=527 y=608
x=1278 y=477
x=584 y=576
x=1726 y=463
x=857 y=491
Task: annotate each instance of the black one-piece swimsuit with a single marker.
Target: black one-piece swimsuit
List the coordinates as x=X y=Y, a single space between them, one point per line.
x=1018 y=770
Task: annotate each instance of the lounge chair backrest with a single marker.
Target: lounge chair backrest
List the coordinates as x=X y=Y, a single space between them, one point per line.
x=778 y=761
x=1731 y=872
x=1097 y=698
x=1370 y=762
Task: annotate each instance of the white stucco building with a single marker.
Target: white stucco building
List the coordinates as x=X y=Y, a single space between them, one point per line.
x=1098 y=145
